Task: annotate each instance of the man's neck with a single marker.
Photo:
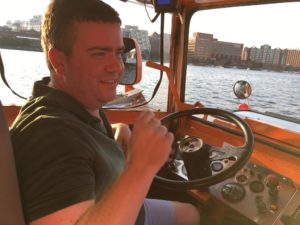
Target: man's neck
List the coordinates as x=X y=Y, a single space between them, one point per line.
x=94 y=113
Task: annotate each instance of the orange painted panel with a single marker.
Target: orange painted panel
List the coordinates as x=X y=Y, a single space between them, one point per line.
x=11 y=113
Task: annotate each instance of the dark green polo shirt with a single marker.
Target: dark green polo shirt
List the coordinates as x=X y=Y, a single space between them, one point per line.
x=63 y=154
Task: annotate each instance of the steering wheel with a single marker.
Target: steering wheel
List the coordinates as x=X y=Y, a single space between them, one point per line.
x=241 y=154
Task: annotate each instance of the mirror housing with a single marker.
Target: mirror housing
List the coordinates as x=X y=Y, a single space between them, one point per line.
x=132 y=59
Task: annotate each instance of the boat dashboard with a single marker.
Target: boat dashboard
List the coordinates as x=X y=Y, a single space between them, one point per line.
x=254 y=195
x=264 y=191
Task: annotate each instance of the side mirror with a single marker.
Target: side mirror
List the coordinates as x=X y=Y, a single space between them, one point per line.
x=132 y=59
x=242 y=89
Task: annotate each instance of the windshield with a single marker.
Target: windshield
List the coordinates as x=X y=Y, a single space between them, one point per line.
x=259 y=44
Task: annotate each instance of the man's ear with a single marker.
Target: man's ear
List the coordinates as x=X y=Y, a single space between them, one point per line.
x=57 y=59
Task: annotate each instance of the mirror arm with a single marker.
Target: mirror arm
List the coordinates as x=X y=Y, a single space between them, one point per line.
x=169 y=72
x=128 y=88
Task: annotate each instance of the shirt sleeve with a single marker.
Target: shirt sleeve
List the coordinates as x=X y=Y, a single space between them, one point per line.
x=55 y=167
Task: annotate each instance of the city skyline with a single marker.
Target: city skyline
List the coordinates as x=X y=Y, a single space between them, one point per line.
x=234 y=30
x=221 y=40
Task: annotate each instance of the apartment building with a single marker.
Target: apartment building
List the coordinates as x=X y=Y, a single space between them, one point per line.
x=35 y=23
x=201 y=46
x=291 y=57
x=276 y=57
x=154 y=39
x=204 y=47
x=228 y=50
x=141 y=36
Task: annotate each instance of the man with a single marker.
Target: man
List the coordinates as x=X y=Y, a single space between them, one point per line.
x=71 y=169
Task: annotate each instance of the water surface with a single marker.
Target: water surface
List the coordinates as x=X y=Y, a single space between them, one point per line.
x=277 y=92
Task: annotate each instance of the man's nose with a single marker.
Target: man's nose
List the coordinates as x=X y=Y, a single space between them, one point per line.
x=115 y=64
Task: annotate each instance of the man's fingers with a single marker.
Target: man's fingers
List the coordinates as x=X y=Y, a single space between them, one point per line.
x=154 y=123
x=170 y=136
x=145 y=116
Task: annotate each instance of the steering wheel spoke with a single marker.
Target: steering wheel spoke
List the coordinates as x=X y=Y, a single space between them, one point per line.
x=226 y=152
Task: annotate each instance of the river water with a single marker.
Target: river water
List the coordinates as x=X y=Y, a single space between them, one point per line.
x=271 y=91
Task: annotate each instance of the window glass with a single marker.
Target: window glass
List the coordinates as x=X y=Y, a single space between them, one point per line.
x=259 y=44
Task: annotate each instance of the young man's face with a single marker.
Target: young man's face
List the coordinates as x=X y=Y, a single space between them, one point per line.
x=95 y=67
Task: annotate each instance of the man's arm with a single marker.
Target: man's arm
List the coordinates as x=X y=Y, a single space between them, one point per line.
x=122 y=134
x=66 y=215
x=121 y=204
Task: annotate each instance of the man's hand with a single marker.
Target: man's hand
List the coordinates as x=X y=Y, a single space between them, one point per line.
x=150 y=144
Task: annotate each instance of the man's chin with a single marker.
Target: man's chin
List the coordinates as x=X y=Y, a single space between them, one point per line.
x=109 y=99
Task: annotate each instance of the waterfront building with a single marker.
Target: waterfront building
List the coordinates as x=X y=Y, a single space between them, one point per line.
x=201 y=47
x=254 y=53
x=275 y=56
x=19 y=25
x=291 y=58
x=154 y=39
x=204 y=47
x=228 y=51
x=245 y=54
x=264 y=54
x=35 y=23
x=141 y=36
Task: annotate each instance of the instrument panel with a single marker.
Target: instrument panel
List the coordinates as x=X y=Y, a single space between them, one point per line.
x=254 y=192
x=261 y=195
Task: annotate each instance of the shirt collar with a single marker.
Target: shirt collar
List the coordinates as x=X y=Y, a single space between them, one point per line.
x=62 y=100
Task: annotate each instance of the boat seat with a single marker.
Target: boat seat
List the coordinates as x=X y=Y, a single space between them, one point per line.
x=11 y=212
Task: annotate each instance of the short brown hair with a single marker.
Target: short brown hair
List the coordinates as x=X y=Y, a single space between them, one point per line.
x=61 y=14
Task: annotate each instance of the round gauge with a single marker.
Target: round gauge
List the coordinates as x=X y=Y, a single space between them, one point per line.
x=233 y=192
x=242 y=178
x=257 y=186
x=216 y=166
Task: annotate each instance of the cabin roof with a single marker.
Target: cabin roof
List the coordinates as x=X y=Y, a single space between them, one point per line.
x=218 y=3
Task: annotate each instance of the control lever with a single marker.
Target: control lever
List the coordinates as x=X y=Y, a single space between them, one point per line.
x=272 y=183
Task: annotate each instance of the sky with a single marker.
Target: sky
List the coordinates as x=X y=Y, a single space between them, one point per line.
x=225 y=24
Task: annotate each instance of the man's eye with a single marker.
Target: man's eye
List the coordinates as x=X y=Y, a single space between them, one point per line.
x=98 y=54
